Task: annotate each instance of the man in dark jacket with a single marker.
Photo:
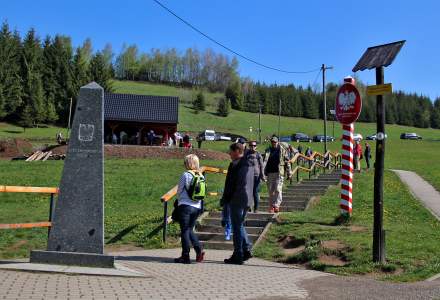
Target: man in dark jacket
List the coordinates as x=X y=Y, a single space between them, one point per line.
x=238 y=193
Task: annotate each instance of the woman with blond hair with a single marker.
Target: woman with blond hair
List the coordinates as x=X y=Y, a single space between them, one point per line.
x=189 y=209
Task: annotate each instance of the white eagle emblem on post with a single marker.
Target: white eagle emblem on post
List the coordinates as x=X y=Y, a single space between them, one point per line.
x=86 y=132
x=346 y=100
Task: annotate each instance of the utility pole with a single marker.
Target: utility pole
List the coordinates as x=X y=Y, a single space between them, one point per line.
x=279 y=117
x=259 y=123
x=324 y=95
x=68 y=122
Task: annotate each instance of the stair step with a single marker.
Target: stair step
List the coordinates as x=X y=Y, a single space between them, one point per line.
x=288 y=202
x=248 y=222
x=219 y=237
x=249 y=215
x=225 y=245
x=219 y=229
x=289 y=197
x=285 y=208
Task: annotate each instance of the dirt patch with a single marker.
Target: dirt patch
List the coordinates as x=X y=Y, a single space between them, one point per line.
x=333 y=245
x=10 y=148
x=293 y=251
x=130 y=151
x=355 y=228
x=331 y=260
x=290 y=242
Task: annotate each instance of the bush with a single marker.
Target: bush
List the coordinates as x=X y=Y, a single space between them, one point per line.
x=224 y=107
x=199 y=102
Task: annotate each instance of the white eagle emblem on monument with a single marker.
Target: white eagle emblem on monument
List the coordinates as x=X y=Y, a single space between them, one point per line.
x=346 y=100
x=86 y=132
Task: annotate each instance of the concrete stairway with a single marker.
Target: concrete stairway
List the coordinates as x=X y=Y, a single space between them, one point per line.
x=211 y=233
x=295 y=197
x=298 y=196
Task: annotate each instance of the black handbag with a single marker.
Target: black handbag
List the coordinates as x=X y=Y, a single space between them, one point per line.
x=175 y=215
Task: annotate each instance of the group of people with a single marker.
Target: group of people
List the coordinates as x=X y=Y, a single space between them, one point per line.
x=248 y=168
x=358 y=155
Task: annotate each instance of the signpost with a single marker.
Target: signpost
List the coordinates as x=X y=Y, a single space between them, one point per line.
x=381 y=89
x=377 y=58
x=348 y=107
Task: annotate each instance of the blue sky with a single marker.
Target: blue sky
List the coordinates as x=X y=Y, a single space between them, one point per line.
x=292 y=35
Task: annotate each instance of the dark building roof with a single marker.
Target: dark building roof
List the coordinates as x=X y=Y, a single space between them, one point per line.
x=378 y=56
x=141 y=108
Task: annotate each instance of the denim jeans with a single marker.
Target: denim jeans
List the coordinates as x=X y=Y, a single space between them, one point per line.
x=256 y=192
x=240 y=237
x=188 y=216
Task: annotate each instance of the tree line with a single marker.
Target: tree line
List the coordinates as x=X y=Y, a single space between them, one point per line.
x=39 y=77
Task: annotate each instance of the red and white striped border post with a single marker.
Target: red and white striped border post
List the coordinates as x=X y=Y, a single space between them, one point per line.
x=347 y=169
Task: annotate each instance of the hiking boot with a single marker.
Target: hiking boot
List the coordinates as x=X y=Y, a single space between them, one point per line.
x=182 y=260
x=233 y=260
x=200 y=257
x=247 y=255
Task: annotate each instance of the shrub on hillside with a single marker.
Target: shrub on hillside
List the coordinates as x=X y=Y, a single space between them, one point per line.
x=224 y=107
x=199 y=102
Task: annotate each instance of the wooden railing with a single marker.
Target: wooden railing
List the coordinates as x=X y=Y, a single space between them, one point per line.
x=173 y=191
x=28 y=189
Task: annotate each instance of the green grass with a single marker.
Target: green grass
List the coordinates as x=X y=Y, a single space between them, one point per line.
x=133 y=211
x=412 y=233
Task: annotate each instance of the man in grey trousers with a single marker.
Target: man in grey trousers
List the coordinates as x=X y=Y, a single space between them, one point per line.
x=277 y=167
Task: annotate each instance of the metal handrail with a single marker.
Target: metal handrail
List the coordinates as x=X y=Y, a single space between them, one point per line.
x=31 y=189
x=173 y=191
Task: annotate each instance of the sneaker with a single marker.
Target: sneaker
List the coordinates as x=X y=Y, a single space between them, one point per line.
x=200 y=257
x=233 y=260
x=247 y=255
x=272 y=210
x=182 y=260
x=256 y=211
x=276 y=209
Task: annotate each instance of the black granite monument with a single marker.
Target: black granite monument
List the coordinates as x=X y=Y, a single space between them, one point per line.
x=77 y=233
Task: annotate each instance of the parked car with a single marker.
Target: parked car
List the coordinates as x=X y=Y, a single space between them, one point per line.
x=208 y=135
x=285 y=139
x=373 y=137
x=357 y=137
x=410 y=136
x=321 y=138
x=301 y=137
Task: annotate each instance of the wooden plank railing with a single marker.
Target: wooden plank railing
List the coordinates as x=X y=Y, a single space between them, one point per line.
x=31 y=189
x=173 y=191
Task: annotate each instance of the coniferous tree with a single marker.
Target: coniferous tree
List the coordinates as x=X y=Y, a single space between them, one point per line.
x=50 y=85
x=10 y=68
x=99 y=72
x=435 y=114
x=199 y=102
x=26 y=119
x=33 y=95
x=224 y=107
x=234 y=94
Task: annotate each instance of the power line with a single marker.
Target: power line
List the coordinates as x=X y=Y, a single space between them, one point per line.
x=229 y=49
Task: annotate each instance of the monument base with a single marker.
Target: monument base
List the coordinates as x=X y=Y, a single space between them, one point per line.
x=72 y=259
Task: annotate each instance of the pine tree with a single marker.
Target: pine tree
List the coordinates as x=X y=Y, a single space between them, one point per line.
x=26 y=118
x=10 y=77
x=31 y=74
x=234 y=94
x=224 y=107
x=50 y=85
x=199 y=102
x=99 y=72
x=81 y=69
x=2 y=103
x=435 y=114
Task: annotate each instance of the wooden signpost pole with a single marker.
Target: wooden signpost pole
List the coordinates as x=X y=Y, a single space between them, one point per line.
x=378 y=232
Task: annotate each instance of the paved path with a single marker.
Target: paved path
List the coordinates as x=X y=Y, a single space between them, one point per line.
x=422 y=190
x=258 y=280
